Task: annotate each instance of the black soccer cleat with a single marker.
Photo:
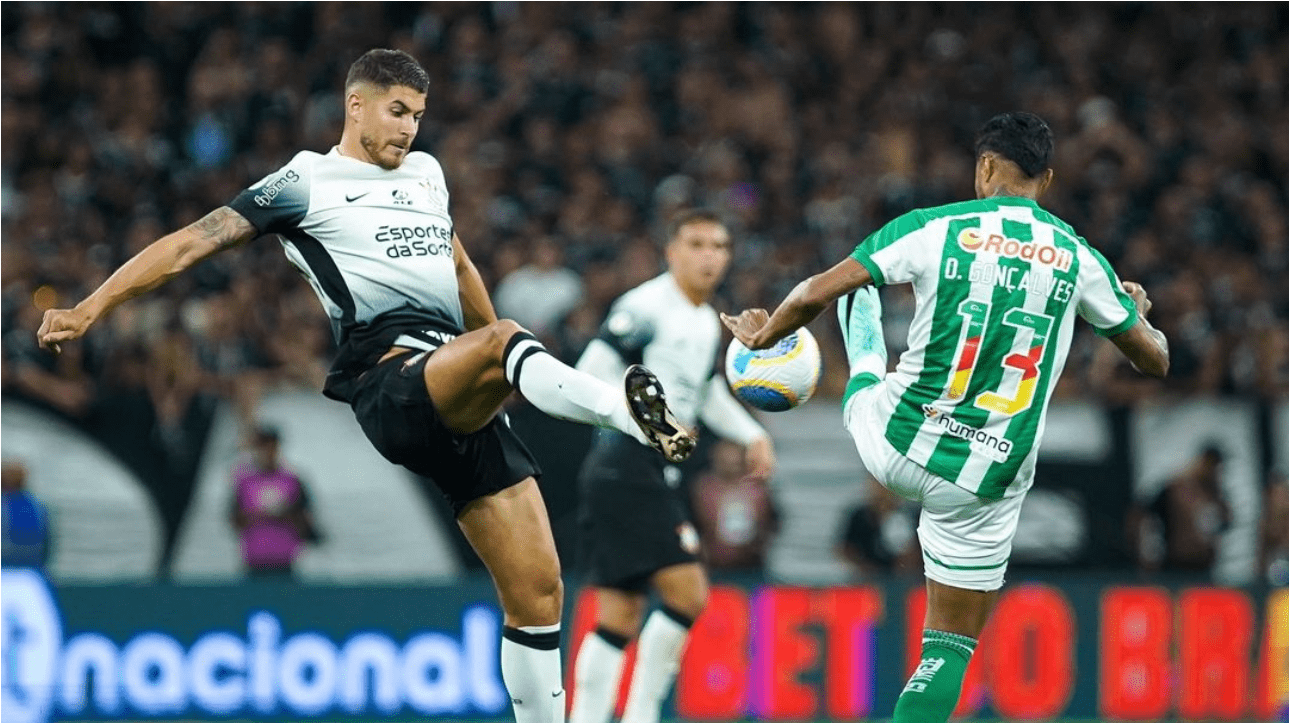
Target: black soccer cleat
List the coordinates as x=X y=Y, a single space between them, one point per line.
x=648 y=407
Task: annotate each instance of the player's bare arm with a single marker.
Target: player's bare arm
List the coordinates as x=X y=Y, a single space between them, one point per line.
x=476 y=306
x=1144 y=345
x=757 y=330
x=759 y=458
x=157 y=264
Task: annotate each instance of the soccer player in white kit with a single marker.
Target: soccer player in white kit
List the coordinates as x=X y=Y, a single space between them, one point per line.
x=423 y=359
x=635 y=532
x=998 y=283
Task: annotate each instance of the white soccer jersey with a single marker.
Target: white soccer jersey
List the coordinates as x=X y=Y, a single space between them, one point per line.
x=375 y=245
x=656 y=325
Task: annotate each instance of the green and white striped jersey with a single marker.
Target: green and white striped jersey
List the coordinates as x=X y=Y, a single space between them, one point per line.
x=997 y=283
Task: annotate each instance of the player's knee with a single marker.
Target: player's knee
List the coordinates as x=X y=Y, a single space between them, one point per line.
x=541 y=600
x=504 y=341
x=548 y=599
x=501 y=332
x=688 y=600
x=624 y=616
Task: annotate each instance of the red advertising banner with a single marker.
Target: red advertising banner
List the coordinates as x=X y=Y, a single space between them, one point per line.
x=781 y=653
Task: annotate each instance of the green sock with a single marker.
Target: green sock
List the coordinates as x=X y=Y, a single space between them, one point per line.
x=933 y=690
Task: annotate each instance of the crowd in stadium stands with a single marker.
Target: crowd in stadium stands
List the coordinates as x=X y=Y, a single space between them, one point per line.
x=568 y=135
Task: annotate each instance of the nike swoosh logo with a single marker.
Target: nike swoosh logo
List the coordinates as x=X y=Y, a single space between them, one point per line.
x=352 y=199
x=555 y=694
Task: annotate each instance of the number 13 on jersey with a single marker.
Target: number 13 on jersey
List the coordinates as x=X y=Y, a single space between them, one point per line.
x=976 y=315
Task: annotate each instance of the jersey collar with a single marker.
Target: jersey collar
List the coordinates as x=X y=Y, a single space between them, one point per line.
x=680 y=293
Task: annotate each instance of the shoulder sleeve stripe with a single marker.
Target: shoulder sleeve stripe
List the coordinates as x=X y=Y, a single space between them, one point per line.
x=280 y=200
x=862 y=255
x=892 y=233
x=1102 y=294
x=1122 y=327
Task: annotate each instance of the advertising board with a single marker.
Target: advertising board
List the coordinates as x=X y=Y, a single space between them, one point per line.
x=1068 y=648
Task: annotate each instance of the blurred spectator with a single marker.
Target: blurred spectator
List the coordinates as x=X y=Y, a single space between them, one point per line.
x=880 y=535
x=1274 y=545
x=27 y=530
x=579 y=133
x=540 y=293
x=1180 y=528
x=736 y=515
x=271 y=510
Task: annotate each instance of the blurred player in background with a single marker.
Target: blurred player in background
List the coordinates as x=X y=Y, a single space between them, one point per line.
x=636 y=533
x=998 y=283
x=423 y=360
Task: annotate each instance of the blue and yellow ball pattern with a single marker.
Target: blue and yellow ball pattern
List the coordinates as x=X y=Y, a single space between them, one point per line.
x=775 y=379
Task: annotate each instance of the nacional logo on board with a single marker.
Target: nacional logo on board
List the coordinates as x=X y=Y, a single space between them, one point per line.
x=260 y=670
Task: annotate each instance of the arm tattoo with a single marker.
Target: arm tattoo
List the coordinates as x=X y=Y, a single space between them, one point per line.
x=225 y=227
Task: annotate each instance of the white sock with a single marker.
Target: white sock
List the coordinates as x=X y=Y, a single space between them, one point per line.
x=658 y=656
x=561 y=391
x=597 y=673
x=531 y=672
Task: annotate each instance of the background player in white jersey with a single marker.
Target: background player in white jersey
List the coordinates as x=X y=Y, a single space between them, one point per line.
x=998 y=282
x=636 y=533
x=423 y=360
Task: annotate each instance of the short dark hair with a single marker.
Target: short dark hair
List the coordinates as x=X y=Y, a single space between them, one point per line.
x=1213 y=452
x=686 y=217
x=1020 y=137
x=265 y=434
x=385 y=68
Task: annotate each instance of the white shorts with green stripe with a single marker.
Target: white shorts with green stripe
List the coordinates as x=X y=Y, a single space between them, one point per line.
x=966 y=539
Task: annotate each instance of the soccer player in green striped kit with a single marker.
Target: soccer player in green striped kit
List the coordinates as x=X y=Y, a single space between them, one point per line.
x=998 y=282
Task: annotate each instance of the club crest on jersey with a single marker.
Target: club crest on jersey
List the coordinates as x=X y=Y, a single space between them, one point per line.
x=973 y=241
x=435 y=193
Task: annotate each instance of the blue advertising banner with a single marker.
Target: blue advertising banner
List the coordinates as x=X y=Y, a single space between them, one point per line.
x=264 y=652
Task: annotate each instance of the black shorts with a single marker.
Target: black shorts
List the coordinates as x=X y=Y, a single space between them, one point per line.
x=632 y=523
x=397 y=415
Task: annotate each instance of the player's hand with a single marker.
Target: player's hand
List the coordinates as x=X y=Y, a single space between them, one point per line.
x=61 y=325
x=1139 y=297
x=759 y=459
x=746 y=326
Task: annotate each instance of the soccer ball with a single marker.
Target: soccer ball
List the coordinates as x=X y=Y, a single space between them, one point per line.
x=775 y=379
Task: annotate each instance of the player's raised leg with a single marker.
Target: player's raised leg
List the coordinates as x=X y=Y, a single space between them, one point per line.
x=683 y=590
x=860 y=316
x=600 y=655
x=469 y=378
x=512 y=535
